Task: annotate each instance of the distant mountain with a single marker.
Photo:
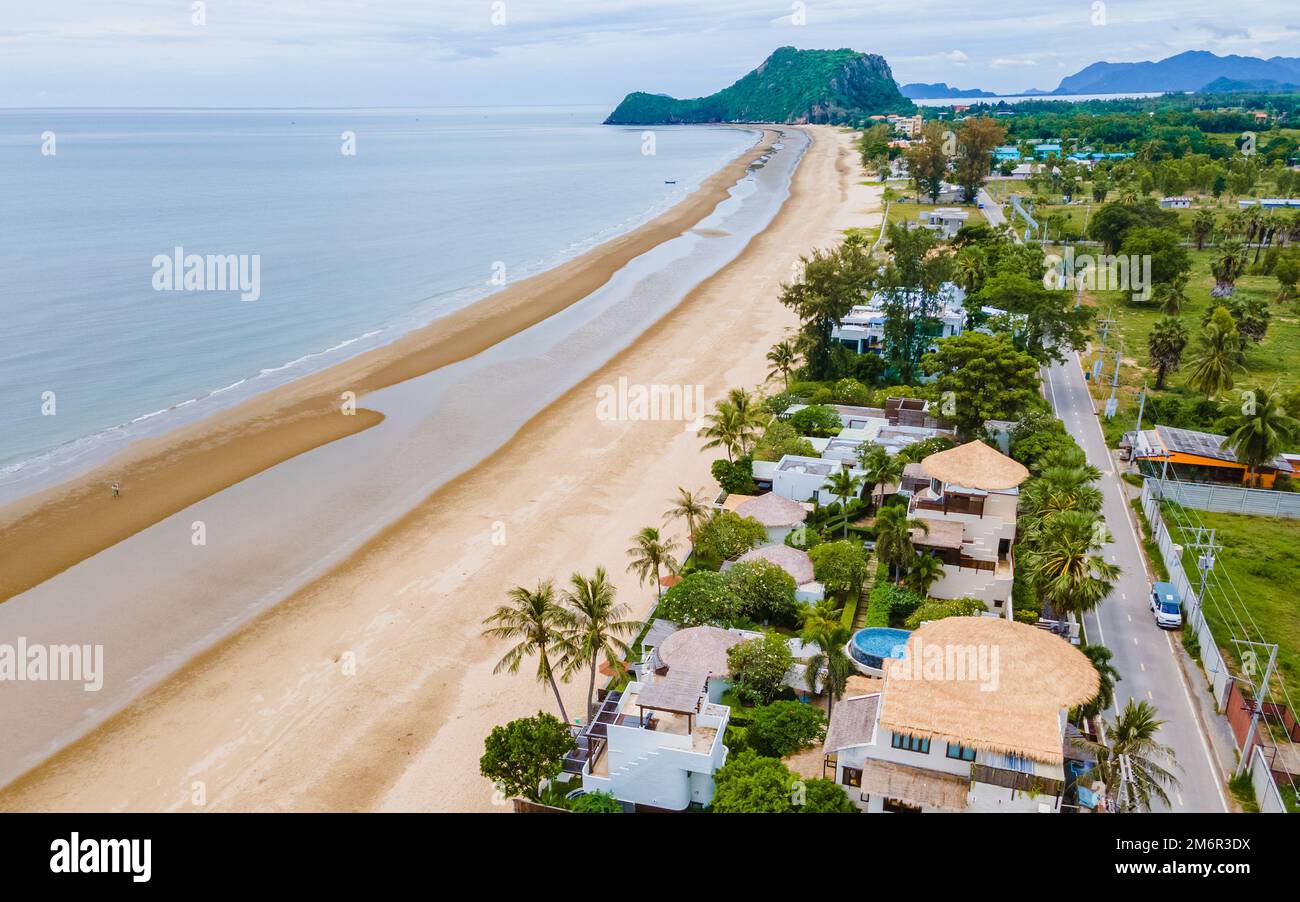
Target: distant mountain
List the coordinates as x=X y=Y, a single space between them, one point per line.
x=1259 y=85
x=791 y=86
x=1190 y=71
x=939 y=91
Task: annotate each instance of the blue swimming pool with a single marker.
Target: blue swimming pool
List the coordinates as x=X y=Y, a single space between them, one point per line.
x=872 y=645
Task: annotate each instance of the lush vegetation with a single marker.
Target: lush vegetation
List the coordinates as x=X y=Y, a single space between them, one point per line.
x=519 y=756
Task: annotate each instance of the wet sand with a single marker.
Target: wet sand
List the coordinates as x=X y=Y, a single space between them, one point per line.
x=274 y=717
x=49 y=531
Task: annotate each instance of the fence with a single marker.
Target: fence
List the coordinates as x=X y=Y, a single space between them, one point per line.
x=1229 y=499
x=1216 y=668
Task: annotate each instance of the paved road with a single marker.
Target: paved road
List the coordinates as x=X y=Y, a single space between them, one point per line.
x=992 y=210
x=1143 y=653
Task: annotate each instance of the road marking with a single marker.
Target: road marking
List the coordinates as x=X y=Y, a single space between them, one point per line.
x=1143 y=666
x=1130 y=617
x=1124 y=595
x=1150 y=696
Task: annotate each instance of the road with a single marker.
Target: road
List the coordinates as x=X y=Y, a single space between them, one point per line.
x=992 y=209
x=1144 y=654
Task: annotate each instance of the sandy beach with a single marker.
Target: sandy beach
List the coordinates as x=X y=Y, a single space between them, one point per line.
x=371 y=688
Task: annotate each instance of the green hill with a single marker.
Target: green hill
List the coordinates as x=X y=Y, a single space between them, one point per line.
x=791 y=86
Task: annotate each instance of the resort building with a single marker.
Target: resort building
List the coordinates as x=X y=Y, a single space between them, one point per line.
x=801 y=478
x=969 y=503
x=779 y=515
x=794 y=562
x=945 y=220
x=971 y=717
x=863 y=329
x=1047 y=149
x=1007 y=153
x=1199 y=457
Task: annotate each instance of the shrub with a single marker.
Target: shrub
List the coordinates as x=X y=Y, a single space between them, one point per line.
x=736 y=477
x=520 y=755
x=702 y=597
x=752 y=784
x=759 y=667
x=727 y=535
x=765 y=592
x=780 y=440
x=888 y=603
x=852 y=392
x=939 y=610
x=783 y=728
x=596 y=803
x=821 y=796
x=816 y=419
x=840 y=566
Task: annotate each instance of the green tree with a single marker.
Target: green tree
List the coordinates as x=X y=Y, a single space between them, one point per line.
x=1150 y=765
x=976 y=139
x=927 y=162
x=880 y=468
x=652 y=554
x=700 y=598
x=784 y=358
x=750 y=783
x=596 y=803
x=783 y=728
x=759 y=667
x=520 y=755
x=831 y=665
x=766 y=592
x=831 y=283
x=1287 y=273
x=844 y=485
x=1171 y=296
x=894 y=538
x=821 y=796
x=1227 y=266
x=911 y=295
x=1202 y=226
x=1101 y=656
x=1165 y=345
x=726 y=535
x=1041 y=321
x=540 y=623
x=989 y=379
x=841 y=567
x=1257 y=429
x=1066 y=568
x=923 y=571
x=597 y=625
x=1165 y=248
x=1218 y=356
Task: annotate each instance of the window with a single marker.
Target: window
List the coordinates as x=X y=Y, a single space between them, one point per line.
x=852 y=776
x=910 y=743
x=960 y=752
x=898 y=806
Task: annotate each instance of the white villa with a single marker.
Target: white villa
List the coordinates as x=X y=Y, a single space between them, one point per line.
x=794 y=562
x=948 y=221
x=935 y=738
x=863 y=329
x=779 y=515
x=969 y=502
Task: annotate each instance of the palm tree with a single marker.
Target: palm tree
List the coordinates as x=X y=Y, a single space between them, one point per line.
x=894 y=537
x=1257 y=430
x=689 y=507
x=596 y=625
x=727 y=429
x=1165 y=344
x=651 y=553
x=1226 y=267
x=1218 y=357
x=540 y=624
x=1100 y=657
x=1059 y=488
x=972 y=266
x=1202 y=226
x=1134 y=760
x=923 y=572
x=844 y=485
x=831 y=663
x=880 y=468
x=1065 y=567
x=1171 y=296
x=784 y=357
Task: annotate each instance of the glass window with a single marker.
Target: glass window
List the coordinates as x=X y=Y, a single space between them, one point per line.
x=910 y=743
x=960 y=752
x=852 y=776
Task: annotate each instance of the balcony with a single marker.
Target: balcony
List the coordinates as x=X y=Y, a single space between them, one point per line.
x=950 y=504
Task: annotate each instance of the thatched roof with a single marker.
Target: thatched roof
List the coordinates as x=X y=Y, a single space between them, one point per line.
x=1012 y=704
x=793 y=561
x=700 y=648
x=920 y=786
x=660 y=630
x=853 y=723
x=773 y=511
x=975 y=465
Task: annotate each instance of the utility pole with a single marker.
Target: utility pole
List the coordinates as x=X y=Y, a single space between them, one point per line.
x=1105 y=325
x=1112 y=403
x=1257 y=707
x=1142 y=406
x=1206 y=549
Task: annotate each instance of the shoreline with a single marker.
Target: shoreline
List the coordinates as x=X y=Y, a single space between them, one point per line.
x=53 y=529
x=265 y=720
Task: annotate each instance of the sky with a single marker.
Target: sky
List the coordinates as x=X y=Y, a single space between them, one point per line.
x=425 y=53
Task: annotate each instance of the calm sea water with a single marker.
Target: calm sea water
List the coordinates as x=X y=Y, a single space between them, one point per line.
x=354 y=250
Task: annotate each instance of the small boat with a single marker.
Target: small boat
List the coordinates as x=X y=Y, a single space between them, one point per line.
x=670 y=181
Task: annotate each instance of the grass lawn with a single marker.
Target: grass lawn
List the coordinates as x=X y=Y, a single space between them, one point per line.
x=1261 y=555
x=1268 y=363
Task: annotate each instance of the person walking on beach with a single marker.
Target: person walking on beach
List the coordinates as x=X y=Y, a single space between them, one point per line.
x=117 y=490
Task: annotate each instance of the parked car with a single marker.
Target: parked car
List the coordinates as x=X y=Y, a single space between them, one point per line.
x=1166 y=606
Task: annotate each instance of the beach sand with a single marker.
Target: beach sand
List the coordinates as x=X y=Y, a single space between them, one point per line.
x=372 y=689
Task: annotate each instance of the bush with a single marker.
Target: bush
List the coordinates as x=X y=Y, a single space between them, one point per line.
x=735 y=477
x=520 y=755
x=840 y=566
x=702 y=597
x=727 y=535
x=851 y=392
x=816 y=420
x=783 y=728
x=888 y=604
x=765 y=592
x=596 y=803
x=752 y=784
x=821 y=796
x=780 y=440
x=759 y=667
x=939 y=610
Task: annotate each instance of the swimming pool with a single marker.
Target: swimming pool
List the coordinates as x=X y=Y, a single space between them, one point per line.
x=872 y=645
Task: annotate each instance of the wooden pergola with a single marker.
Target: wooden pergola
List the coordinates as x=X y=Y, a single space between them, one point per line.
x=680 y=692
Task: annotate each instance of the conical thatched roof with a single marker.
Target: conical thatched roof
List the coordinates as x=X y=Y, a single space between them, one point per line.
x=793 y=561
x=699 y=648
x=975 y=465
x=772 y=510
x=1016 y=681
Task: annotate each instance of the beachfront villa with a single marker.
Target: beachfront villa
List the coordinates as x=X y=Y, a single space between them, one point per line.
x=863 y=329
x=794 y=561
x=971 y=717
x=947 y=221
x=778 y=515
x=968 y=499
x=801 y=478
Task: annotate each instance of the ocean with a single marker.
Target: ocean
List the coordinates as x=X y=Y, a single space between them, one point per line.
x=356 y=226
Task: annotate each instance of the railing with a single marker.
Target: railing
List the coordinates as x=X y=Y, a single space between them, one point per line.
x=1014 y=779
x=951 y=504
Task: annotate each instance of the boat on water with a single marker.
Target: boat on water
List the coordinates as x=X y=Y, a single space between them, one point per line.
x=670 y=181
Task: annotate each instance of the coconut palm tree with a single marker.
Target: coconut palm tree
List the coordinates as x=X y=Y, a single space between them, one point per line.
x=831 y=663
x=784 y=358
x=923 y=571
x=1134 y=761
x=1165 y=345
x=689 y=507
x=1065 y=567
x=1226 y=267
x=540 y=623
x=880 y=468
x=596 y=626
x=844 y=486
x=1218 y=357
x=1100 y=656
x=651 y=553
x=1257 y=429
x=894 y=537
x=1202 y=226
x=1171 y=296
x=727 y=429
x=1059 y=488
